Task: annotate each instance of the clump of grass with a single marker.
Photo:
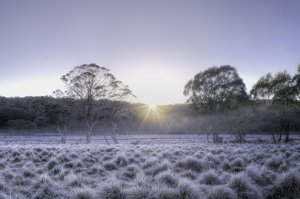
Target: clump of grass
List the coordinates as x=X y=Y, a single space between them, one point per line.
x=21 y=181
x=186 y=191
x=141 y=192
x=189 y=175
x=121 y=161
x=168 y=179
x=210 y=178
x=130 y=172
x=167 y=193
x=74 y=181
x=51 y=164
x=112 y=191
x=46 y=193
x=43 y=181
x=84 y=193
x=191 y=164
x=274 y=164
x=155 y=170
x=226 y=166
x=28 y=174
x=221 y=193
x=241 y=185
x=110 y=166
x=237 y=165
x=287 y=187
x=262 y=177
x=211 y=160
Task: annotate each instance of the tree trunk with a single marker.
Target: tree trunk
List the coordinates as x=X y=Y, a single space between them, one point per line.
x=62 y=135
x=106 y=140
x=88 y=137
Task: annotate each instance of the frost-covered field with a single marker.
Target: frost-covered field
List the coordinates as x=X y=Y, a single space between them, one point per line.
x=153 y=171
x=8 y=139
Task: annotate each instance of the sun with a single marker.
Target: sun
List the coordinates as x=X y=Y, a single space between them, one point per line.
x=152 y=106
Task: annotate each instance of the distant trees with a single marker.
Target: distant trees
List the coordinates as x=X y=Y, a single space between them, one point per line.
x=213 y=91
x=219 y=94
x=280 y=95
x=98 y=93
x=240 y=122
x=216 y=89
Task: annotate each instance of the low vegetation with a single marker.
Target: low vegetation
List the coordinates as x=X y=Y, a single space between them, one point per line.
x=169 y=171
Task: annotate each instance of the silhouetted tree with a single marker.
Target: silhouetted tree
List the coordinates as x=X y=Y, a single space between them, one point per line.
x=216 y=89
x=97 y=91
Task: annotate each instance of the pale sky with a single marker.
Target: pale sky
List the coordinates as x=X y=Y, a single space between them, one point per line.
x=154 y=46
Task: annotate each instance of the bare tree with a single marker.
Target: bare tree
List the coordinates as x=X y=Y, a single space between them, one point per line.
x=240 y=122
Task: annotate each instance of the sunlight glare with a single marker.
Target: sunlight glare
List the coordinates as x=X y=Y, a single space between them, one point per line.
x=152 y=106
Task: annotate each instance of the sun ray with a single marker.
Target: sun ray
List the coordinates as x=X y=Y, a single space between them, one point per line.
x=146 y=115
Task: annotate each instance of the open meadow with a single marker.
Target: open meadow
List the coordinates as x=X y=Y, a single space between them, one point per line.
x=147 y=170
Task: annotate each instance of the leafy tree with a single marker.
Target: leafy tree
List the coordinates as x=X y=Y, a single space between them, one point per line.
x=281 y=92
x=296 y=81
x=216 y=89
x=98 y=93
x=263 y=89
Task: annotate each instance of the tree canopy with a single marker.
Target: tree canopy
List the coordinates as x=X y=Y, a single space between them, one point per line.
x=97 y=90
x=216 y=89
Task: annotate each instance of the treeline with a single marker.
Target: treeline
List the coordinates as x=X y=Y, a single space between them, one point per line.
x=95 y=102
x=219 y=95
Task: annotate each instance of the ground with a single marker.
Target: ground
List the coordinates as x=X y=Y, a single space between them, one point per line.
x=145 y=170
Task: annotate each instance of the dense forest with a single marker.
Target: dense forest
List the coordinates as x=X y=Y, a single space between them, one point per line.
x=217 y=104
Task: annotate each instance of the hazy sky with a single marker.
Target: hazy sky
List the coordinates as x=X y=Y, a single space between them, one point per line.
x=154 y=46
